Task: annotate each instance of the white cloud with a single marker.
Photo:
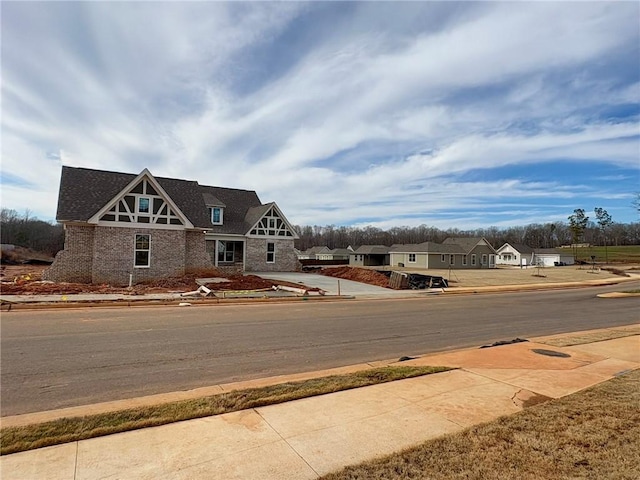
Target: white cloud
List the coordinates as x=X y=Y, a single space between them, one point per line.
x=379 y=123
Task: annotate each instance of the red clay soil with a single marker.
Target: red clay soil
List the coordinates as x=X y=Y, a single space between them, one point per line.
x=26 y=280
x=358 y=275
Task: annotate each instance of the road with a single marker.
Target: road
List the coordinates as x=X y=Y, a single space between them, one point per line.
x=60 y=358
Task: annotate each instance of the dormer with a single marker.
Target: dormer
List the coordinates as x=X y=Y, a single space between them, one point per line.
x=215 y=208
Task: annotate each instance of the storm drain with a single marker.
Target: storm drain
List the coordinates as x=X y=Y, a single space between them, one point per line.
x=550 y=353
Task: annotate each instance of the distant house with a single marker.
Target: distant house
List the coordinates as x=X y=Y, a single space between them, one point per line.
x=121 y=226
x=514 y=254
x=313 y=252
x=523 y=255
x=473 y=253
x=479 y=252
x=335 y=254
x=370 y=255
x=549 y=257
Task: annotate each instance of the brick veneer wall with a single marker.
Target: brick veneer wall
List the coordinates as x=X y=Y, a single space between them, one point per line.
x=256 y=256
x=114 y=252
x=105 y=255
x=75 y=262
x=196 y=256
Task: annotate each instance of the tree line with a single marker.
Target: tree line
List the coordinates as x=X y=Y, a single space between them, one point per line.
x=26 y=231
x=578 y=229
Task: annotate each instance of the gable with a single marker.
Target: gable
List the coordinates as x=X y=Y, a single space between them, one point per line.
x=142 y=202
x=272 y=223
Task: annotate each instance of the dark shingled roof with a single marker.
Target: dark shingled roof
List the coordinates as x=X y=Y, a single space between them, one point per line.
x=467 y=243
x=371 y=250
x=428 y=247
x=84 y=191
x=520 y=247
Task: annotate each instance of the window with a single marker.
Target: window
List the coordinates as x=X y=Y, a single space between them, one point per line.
x=142 y=251
x=226 y=251
x=143 y=205
x=484 y=259
x=473 y=259
x=271 y=252
x=451 y=260
x=443 y=258
x=464 y=260
x=412 y=258
x=216 y=215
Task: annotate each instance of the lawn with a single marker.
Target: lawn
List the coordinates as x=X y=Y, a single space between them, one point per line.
x=626 y=254
x=593 y=434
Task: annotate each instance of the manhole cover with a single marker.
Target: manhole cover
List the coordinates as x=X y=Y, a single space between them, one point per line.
x=550 y=353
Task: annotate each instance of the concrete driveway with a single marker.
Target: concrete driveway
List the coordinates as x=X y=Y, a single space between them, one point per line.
x=330 y=284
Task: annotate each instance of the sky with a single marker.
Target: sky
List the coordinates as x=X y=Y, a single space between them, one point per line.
x=389 y=114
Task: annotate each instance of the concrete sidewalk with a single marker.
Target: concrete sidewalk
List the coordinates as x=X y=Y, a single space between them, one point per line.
x=311 y=437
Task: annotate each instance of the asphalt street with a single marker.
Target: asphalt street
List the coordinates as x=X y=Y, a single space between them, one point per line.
x=60 y=358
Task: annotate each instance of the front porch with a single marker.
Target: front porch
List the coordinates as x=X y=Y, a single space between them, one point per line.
x=228 y=256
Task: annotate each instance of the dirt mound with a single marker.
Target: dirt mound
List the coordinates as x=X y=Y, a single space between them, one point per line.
x=356 y=274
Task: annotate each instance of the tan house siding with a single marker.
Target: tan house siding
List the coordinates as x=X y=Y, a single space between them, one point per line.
x=75 y=262
x=256 y=255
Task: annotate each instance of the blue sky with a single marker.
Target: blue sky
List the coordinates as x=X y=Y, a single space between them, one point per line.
x=448 y=114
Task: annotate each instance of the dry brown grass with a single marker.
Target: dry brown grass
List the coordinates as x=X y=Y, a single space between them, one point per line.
x=591 y=337
x=29 y=437
x=593 y=434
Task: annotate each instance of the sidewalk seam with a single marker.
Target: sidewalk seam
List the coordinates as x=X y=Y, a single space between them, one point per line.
x=288 y=444
x=75 y=466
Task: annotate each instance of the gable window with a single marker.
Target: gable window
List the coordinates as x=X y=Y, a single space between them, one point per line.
x=142 y=251
x=412 y=258
x=473 y=259
x=271 y=252
x=143 y=205
x=216 y=215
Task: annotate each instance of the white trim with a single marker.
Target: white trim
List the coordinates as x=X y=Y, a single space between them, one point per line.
x=268 y=252
x=135 y=250
x=221 y=215
x=293 y=236
x=95 y=219
x=153 y=226
x=409 y=258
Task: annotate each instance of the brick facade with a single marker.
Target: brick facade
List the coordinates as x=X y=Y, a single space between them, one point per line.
x=75 y=262
x=196 y=256
x=106 y=255
x=256 y=256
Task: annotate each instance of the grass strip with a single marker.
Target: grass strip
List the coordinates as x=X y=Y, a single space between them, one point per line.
x=570 y=340
x=591 y=434
x=64 y=430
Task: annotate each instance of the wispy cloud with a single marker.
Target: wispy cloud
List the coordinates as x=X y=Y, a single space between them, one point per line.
x=338 y=111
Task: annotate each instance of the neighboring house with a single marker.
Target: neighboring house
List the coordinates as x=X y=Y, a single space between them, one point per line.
x=429 y=255
x=515 y=254
x=337 y=254
x=458 y=253
x=370 y=255
x=549 y=257
x=479 y=252
x=313 y=252
x=523 y=255
x=121 y=226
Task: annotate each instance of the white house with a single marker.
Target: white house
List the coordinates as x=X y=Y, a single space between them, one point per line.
x=515 y=254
